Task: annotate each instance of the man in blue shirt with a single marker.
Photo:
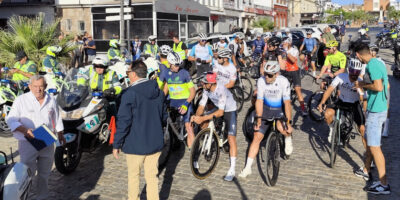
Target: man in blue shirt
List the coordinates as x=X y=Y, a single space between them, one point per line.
x=311 y=48
x=258 y=46
x=90 y=49
x=202 y=55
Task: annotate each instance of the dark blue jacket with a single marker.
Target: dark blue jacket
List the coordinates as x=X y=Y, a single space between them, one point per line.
x=140 y=119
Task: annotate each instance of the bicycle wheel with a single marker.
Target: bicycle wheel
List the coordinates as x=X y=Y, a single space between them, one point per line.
x=334 y=142
x=203 y=157
x=247 y=88
x=272 y=158
x=313 y=103
x=237 y=93
x=247 y=125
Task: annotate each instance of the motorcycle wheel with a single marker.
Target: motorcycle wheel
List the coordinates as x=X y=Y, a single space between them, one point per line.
x=65 y=159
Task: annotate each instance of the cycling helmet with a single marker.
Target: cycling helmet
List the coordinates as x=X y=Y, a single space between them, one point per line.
x=174 y=59
x=354 y=66
x=309 y=32
x=222 y=38
x=271 y=67
x=275 y=41
x=152 y=38
x=240 y=36
x=99 y=62
x=210 y=77
x=287 y=40
x=19 y=55
x=152 y=67
x=53 y=50
x=214 y=47
x=165 y=50
x=373 y=47
x=114 y=43
x=268 y=34
x=362 y=31
x=278 y=34
x=225 y=53
x=332 y=43
x=203 y=36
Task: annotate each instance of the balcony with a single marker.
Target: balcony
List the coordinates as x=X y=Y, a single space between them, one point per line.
x=26 y=2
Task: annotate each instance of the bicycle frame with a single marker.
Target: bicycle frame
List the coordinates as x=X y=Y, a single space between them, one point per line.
x=207 y=143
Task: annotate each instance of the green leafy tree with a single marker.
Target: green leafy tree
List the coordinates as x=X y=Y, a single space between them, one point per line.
x=264 y=23
x=33 y=36
x=393 y=13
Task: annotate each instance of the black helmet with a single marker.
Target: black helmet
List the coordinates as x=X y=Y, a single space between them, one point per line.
x=19 y=55
x=275 y=41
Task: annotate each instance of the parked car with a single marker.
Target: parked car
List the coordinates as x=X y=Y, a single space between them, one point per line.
x=316 y=32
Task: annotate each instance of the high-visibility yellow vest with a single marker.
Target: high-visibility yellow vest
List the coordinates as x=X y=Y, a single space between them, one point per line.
x=178 y=49
x=19 y=77
x=106 y=83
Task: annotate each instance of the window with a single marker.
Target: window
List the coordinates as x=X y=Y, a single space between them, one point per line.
x=81 y=26
x=68 y=25
x=167 y=29
x=197 y=27
x=105 y=30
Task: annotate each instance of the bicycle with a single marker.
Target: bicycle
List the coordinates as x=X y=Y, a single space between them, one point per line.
x=342 y=131
x=306 y=65
x=316 y=98
x=207 y=145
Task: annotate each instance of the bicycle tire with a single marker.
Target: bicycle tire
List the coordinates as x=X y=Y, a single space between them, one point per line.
x=312 y=105
x=247 y=88
x=237 y=93
x=334 y=143
x=166 y=150
x=247 y=126
x=196 y=153
x=272 y=158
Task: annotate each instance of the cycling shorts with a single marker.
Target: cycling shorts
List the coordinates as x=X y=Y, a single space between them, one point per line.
x=230 y=119
x=356 y=109
x=293 y=77
x=269 y=113
x=313 y=57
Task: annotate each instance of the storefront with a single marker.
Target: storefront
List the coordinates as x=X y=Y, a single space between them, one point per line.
x=165 y=18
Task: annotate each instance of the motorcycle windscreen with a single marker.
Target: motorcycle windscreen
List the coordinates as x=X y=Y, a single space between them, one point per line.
x=72 y=98
x=6 y=96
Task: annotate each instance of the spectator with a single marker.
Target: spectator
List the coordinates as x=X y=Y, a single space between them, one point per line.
x=90 y=49
x=139 y=130
x=85 y=40
x=136 y=48
x=28 y=112
x=342 y=31
x=376 y=84
x=78 y=52
x=327 y=36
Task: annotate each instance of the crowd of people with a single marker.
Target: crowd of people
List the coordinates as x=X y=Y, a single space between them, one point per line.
x=362 y=81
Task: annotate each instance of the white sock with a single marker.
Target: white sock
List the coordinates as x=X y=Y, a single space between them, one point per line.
x=233 y=164
x=249 y=162
x=313 y=73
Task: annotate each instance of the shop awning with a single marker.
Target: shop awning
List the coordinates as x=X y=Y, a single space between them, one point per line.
x=185 y=7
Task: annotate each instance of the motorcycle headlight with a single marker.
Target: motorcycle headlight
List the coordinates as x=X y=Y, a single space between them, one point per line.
x=72 y=115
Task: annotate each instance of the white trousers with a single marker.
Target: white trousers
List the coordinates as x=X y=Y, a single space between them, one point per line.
x=40 y=162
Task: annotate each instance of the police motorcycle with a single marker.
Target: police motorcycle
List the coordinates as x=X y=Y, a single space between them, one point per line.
x=396 y=65
x=120 y=65
x=85 y=122
x=15 y=179
x=9 y=90
x=363 y=38
x=383 y=39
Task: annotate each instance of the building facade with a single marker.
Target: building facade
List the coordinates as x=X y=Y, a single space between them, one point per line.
x=281 y=13
x=377 y=7
x=303 y=12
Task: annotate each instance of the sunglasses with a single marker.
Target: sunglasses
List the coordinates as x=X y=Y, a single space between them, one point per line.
x=220 y=57
x=203 y=40
x=269 y=75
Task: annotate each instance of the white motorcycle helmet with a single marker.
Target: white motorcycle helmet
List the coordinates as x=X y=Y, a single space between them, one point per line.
x=152 y=67
x=362 y=31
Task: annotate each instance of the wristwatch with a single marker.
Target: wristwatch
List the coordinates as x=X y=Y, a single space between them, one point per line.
x=289 y=121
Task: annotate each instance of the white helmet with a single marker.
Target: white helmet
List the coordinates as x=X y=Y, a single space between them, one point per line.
x=174 y=58
x=152 y=38
x=214 y=47
x=240 y=36
x=362 y=31
x=165 y=50
x=278 y=34
x=225 y=53
x=268 y=34
x=354 y=66
x=272 y=67
x=203 y=36
x=152 y=66
x=99 y=61
x=287 y=40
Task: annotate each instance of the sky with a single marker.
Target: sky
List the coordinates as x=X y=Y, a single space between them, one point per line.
x=347 y=2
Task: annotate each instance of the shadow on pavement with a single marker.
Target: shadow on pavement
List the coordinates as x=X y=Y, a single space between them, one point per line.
x=242 y=194
x=202 y=195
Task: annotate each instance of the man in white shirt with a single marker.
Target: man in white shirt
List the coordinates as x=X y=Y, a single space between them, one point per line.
x=28 y=112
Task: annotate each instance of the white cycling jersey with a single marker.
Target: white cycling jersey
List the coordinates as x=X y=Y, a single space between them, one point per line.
x=221 y=97
x=347 y=92
x=273 y=94
x=225 y=73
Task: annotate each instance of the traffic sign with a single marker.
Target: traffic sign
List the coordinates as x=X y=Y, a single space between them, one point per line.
x=117 y=10
x=118 y=18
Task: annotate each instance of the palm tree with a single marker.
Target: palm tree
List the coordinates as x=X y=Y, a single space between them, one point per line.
x=33 y=36
x=264 y=23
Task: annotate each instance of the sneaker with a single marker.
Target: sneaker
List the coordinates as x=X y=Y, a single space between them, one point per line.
x=230 y=175
x=245 y=172
x=378 y=188
x=330 y=134
x=288 y=145
x=361 y=173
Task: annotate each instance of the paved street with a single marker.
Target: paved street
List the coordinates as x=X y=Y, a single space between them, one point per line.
x=306 y=175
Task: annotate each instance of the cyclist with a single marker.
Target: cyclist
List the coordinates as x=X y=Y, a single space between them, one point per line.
x=234 y=47
x=226 y=105
x=214 y=49
x=348 y=96
x=163 y=65
x=50 y=63
x=292 y=71
x=113 y=51
x=151 y=48
x=258 y=46
x=267 y=36
x=181 y=91
x=226 y=71
x=310 y=45
x=273 y=101
x=222 y=44
x=335 y=62
x=202 y=55
x=273 y=53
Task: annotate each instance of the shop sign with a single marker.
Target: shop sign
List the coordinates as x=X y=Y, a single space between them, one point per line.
x=259 y=11
x=182 y=7
x=214 y=17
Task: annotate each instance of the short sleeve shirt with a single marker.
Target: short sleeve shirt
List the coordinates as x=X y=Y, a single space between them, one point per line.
x=346 y=87
x=179 y=84
x=225 y=74
x=221 y=97
x=309 y=43
x=292 y=66
x=91 y=52
x=337 y=61
x=377 y=101
x=273 y=94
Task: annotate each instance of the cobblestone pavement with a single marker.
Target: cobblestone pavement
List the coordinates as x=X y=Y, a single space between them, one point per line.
x=306 y=175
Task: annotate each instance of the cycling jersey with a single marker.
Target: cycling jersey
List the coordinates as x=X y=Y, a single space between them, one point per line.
x=337 y=61
x=234 y=47
x=179 y=84
x=222 y=45
x=292 y=66
x=347 y=92
x=221 y=97
x=273 y=55
x=202 y=52
x=225 y=73
x=309 y=44
x=259 y=46
x=273 y=94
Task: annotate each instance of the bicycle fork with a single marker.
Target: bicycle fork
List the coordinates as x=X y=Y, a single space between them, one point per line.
x=206 y=146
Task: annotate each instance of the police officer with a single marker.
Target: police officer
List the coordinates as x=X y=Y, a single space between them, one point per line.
x=113 y=51
x=151 y=48
x=181 y=49
x=24 y=69
x=50 y=63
